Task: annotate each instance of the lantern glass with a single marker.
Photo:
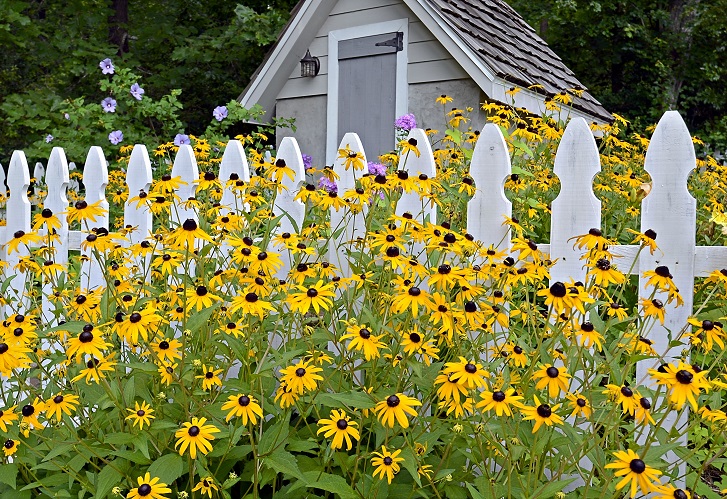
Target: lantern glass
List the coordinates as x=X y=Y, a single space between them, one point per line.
x=309 y=65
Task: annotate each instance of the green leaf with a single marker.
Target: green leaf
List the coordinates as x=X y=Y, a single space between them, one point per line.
x=274 y=437
x=329 y=483
x=106 y=480
x=354 y=400
x=550 y=488
x=119 y=438
x=58 y=450
x=474 y=492
x=167 y=468
x=284 y=462
x=196 y=321
x=8 y=474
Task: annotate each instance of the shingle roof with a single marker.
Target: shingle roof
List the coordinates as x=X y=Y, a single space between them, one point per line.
x=507 y=44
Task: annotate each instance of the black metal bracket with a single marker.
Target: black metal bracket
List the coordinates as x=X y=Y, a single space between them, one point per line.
x=397 y=42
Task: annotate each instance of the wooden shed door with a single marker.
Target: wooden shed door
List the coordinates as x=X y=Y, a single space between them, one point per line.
x=367 y=90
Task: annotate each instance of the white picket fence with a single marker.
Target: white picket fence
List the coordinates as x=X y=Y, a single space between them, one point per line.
x=669 y=209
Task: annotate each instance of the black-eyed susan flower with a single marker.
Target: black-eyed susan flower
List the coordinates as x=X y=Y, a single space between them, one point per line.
x=592 y=240
x=29 y=416
x=669 y=491
x=46 y=218
x=142 y=323
x=412 y=298
x=88 y=342
x=468 y=373
x=341 y=428
x=10 y=447
x=243 y=406
x=140 y=415
x=210 y=377
x=683 y=383
x=351 y=158
x=499 y=401
x=647 y=239
x=642 y=414
x=285 y=396
x=166 y=371
x=149 y=488
x=96 y=368
x=184 y=237
x=301 y=377
x=7 y=416
x=604 y=273
x=580 y=405
x=387 y=463
x=395 y=408
x=637 y=475
x=195 y=436
x=61 y=404
x=542 y=414
x=362 y=340
x=707 y=333
x=199 y=298
x=553 y=378
x=653 y=308
x=207 y=486
x=22 y=238
x=13 y=356
x=250 y=304
x=316 y=297
x=556 y=297
x=660 y=278
x=83 y=212
x=449 y=389
x=167 y=349
x=624 y=395
x=587 y=336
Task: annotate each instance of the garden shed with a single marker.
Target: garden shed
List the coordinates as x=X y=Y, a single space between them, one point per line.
x=371 y=61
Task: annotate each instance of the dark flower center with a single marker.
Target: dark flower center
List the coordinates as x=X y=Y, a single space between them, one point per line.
x=645 y=403
x=342 y=424
x=388 y=461
x=58 y=399
x=312 y=293
x=251 y=297
x=414 y=291
x=498 y=396
x=581 y=402
x=189 y=225
x=587 y=327
x=28 y=410
x=552 y=372
x=163 y=345
x=517 y=350
x=684 y=377
x=364 y=333
x=470 y=307
x=392 y=251
x=637 y=466
x=392 y=401
x=86 y=337
x=300 y=372
x=209 y=375
x=81 y=300
x=140 y=413
x=144 y=489
x=657 y=303
x=650 y=234
x=558 y=290
x=544 y=411
x=244 y=400
x=470 y=368
x=603 y=264
x=707 y=325
x=626 y=391
x=415 y=338
x=4 y=348
x=595 y=232
x=135 y=317
x=9 y=444
x=193 y=431
x=680 y=494
x=201 y=291
x=662 y=271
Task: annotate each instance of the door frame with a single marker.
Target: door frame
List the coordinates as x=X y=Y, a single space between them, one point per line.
x=402 y=91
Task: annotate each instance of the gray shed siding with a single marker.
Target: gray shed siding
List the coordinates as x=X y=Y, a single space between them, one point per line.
x=428 y=60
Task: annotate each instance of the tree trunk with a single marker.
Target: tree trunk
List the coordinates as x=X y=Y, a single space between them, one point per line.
x=118 y=35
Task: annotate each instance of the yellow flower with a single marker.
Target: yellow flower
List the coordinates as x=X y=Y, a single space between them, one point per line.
x=206 y=486
x=196 y=436
x=244 y=406
x=387 y=463
x=59 y=405
x=362 y=340
x=341 y=428
x=149 y=488
x=541 y=414
x=683 y=383
x=210 y=377
x=395 y=408
x=500 y=401
x=141 y=415
x=301 y=377
x=635 y=472
x=10 y=447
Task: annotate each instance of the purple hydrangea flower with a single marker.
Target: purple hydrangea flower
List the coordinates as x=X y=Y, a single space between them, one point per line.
x=328 y=185
x=107 y=67
x=220 y=113
x=108 y=105
x=48 y=138
x=406 y=122
x=376 y=168
x=136 y=91
x=181 y=139
x=116 y=137
x=307 y=162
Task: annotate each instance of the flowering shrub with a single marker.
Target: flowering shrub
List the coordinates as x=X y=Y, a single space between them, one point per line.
x=224 y=358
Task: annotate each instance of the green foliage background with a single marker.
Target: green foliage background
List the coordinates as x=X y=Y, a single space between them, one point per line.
x=638 y=57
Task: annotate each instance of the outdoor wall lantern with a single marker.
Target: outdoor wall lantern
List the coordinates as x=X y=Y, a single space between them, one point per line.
x=309 y=65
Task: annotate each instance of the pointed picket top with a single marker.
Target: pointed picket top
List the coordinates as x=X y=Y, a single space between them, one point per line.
x=234 y=161
x=56 y=181
x=487 y=210
x=39 y=172
x=576 y=210
x=18 y=203
x=345 y=182
x=292 y=209
x=3 y=187
x=185 y=167
x=670 y=211
x=139 y=179
x=414 y=165
x=95 y=179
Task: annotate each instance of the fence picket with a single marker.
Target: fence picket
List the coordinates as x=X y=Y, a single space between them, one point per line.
x=234 y=162
x=289 y=153
x=137 y=216
x=414 y=165
x=95 y=179
x=185 y=167
x=576 y=209
x=19 y=205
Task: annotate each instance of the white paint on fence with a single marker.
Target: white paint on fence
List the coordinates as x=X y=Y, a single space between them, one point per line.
x=137 y=215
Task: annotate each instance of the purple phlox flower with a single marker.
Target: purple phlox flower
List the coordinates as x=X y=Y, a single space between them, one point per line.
x=48 y=138
x=116 y=137
x=67 y=116
x=136 y=91
x=307 y=161
x=181 y=139
x=406 y=122
x=220 y=113
x=107 y=67
x=328 y=185
x=108 y=105
x=376 y=168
